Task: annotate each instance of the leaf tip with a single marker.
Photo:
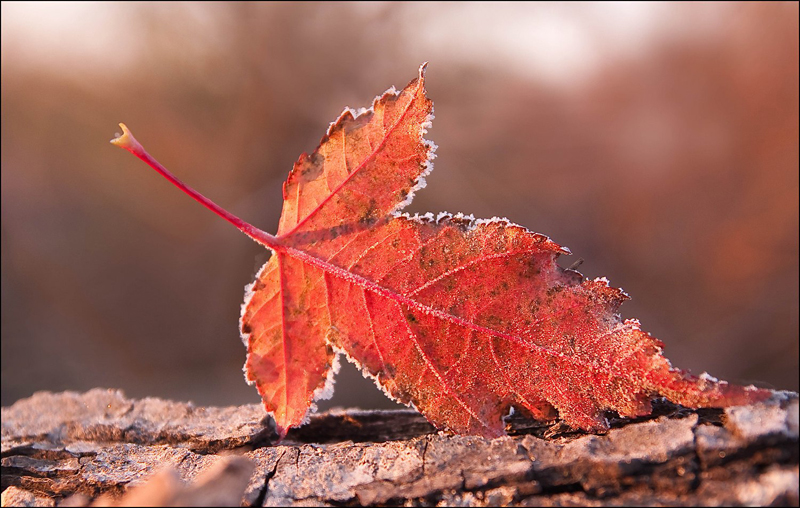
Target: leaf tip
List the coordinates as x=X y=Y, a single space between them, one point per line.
x=281 y=431
x=126 y=139
x=422 y=69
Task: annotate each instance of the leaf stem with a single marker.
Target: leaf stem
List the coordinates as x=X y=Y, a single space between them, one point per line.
x=129 y=143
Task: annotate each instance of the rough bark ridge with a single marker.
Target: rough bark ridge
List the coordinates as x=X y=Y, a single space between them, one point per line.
x=74 y=449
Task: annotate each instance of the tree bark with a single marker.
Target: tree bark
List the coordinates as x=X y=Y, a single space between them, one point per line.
x=103 y=448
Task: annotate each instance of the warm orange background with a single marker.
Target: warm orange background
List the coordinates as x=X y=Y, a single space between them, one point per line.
x=666 y=157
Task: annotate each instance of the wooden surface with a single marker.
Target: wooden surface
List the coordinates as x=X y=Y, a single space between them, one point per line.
x=103 y=448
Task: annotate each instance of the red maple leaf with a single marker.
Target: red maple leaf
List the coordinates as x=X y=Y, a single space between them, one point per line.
x=462 y=318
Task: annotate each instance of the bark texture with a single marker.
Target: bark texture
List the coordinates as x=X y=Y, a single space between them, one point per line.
x=102 y=448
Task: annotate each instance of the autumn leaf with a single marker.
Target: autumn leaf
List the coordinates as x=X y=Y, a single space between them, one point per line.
x=461 y=318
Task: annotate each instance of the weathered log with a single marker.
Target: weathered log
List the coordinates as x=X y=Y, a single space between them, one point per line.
x=74 y=449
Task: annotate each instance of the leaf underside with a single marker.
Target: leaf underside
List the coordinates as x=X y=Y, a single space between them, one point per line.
x=464 y=319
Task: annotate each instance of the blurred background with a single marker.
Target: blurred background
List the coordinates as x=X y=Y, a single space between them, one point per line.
x=658 y=141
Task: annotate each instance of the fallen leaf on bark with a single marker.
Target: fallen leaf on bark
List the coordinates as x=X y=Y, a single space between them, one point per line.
x=461 y=318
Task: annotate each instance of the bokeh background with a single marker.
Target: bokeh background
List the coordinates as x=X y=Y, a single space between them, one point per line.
x=659 y=142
